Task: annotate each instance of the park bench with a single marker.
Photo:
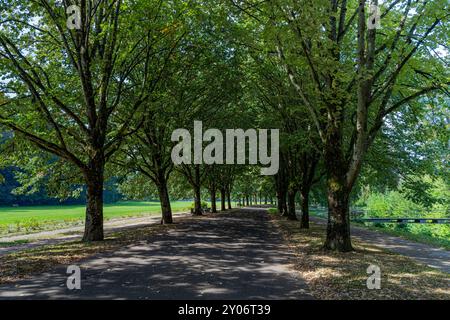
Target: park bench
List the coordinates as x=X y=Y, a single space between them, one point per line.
x=204 y=210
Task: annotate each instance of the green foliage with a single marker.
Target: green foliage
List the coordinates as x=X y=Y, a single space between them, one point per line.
x=433 y=202
x=379 y=97
x=391 y=204
x=394 y=203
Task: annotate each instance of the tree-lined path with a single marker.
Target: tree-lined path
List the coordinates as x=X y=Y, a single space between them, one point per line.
x=237 y=255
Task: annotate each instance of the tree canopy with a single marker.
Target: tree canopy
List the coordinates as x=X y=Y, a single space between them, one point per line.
x=358 y=89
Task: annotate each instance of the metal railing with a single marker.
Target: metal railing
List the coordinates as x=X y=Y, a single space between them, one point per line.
x=360 y=215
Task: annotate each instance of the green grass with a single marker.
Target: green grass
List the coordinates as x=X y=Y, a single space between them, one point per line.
x=419 y=233
x=33 y=218
x=437 y=235
x=12 y=243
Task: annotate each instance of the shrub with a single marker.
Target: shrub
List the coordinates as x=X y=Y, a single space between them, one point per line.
x=391 y=204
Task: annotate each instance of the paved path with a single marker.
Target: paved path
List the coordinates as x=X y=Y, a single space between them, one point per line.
x=431 y=256
x=75 y=233
x=231 y=256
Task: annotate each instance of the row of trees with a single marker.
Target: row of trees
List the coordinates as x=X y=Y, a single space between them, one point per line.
x=102 y=100
x=333 y=80
x=106 y=95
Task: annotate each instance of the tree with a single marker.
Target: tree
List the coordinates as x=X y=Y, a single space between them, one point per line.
x=174 y=59
x=68 y=89
x=319 y=43
x=211 y=183
x=300 y=152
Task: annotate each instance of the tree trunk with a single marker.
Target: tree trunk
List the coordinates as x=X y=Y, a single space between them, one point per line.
x=213 y=200
x=246 y=200
x=338 y=227
x=93 y=228
x=198 y=201
x=229 y=199
x=279 y=203
x=197 y=192
x=282 y=206
x=281 y=189
x=304 y=222
x=166 y=209
x=222 y=199
x=291 y=206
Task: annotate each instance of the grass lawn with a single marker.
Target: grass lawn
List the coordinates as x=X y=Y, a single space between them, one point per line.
x=20 y=219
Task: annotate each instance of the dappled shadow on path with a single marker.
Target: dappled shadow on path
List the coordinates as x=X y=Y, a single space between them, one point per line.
x=233 y=256
x=429 y=255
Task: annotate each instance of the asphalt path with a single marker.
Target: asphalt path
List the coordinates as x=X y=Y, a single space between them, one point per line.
x=239 y=255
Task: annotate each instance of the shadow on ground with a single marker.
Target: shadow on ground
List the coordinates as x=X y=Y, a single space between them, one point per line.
x=234 y=256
